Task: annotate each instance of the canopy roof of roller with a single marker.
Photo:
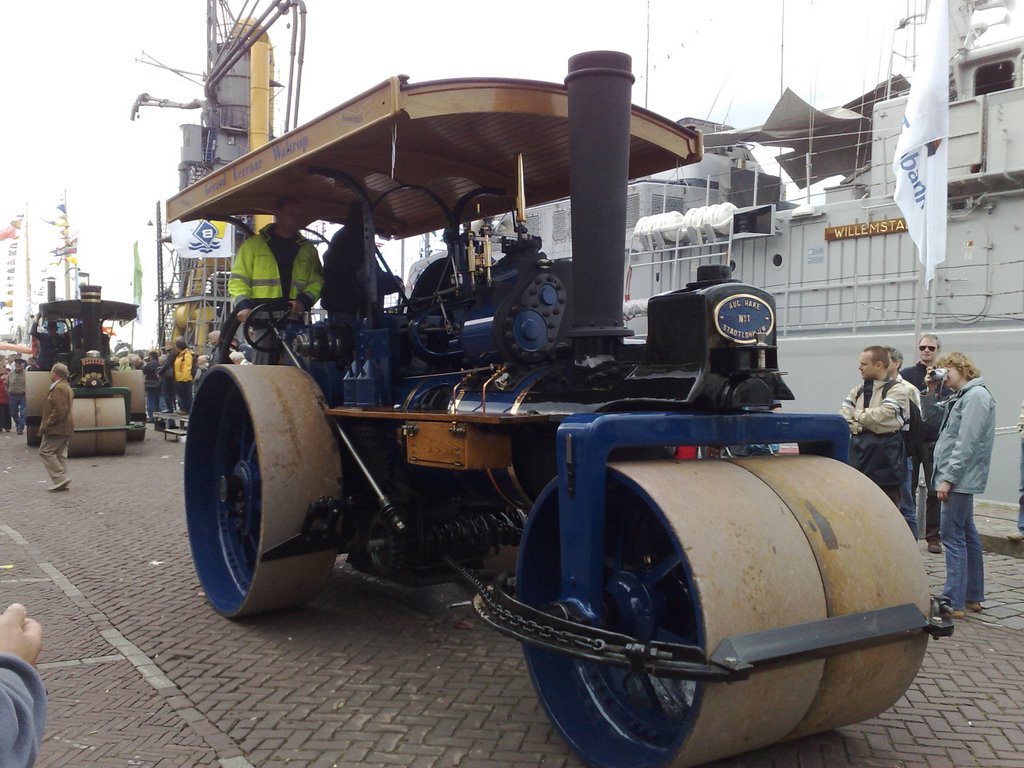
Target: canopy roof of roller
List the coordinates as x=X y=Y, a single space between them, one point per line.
x=108 y=310
x=414 y=147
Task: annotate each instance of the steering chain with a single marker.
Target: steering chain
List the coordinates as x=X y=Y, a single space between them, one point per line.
x=527 y=624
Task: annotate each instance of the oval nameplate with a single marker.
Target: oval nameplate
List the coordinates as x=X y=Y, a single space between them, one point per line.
x=741 y=318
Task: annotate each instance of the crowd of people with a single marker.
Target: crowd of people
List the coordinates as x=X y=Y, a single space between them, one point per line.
x=935 y=418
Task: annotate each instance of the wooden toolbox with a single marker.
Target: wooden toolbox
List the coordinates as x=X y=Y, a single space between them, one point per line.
x=456 y=445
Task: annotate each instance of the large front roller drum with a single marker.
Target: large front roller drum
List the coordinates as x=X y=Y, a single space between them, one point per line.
x=110 y=413
x=83 y=441
x=259 y=450
x=135 y=381
x=91 y=412
x=699 y=551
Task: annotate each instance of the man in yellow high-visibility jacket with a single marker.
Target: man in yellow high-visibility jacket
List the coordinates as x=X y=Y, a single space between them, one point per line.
x=277 y=262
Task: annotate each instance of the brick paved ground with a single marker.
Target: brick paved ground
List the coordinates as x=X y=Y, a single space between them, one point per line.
x=141 y=673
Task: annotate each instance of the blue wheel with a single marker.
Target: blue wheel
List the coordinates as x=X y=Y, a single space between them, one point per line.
x=696 y=552
x=668 y=532
x=259 y=450
x=609 y=715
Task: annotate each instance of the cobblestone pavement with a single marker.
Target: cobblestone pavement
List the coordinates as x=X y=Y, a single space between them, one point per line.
x=141 y=672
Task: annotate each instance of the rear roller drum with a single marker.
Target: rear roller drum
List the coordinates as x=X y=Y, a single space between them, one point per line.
x=687 y=561
x=259 y=450
x=37 y=384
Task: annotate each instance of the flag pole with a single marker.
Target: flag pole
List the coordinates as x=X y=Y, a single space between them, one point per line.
x=28 y=277
x=922 y=286
x=67 y=264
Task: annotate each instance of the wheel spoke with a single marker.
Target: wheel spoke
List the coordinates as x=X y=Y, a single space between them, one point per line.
x=259 y=341
x=660 y=570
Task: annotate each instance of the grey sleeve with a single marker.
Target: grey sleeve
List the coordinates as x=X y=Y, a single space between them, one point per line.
x=22 y=712
x=973 y=418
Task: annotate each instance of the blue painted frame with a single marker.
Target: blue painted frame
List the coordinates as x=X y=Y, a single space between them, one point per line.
x=584 y=442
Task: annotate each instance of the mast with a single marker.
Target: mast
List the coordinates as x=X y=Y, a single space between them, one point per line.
x=28 y=276
x=67 y=263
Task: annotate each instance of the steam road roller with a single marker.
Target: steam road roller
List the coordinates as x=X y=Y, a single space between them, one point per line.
x=671 y=611
x=110 y=406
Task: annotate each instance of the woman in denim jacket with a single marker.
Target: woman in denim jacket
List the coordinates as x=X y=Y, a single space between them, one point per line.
x=963 y=453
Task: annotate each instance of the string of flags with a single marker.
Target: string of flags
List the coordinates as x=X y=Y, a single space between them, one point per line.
x=12 y=231
x=67 y=254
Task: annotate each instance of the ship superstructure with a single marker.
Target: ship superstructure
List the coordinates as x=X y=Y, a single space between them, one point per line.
x=844 y=270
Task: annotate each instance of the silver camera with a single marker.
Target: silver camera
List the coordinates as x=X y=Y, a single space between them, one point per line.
x=939 y=375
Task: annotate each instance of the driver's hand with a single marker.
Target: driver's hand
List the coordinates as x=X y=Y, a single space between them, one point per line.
x=296 y=308
x=242 y=314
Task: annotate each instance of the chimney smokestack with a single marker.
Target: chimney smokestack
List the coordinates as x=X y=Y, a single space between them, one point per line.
x=599 y=87
x=92 y=327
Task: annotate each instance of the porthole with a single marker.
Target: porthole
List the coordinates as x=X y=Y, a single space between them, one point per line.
x=777 y=260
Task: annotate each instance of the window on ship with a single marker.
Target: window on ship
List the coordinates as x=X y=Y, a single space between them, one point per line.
x=993 y=77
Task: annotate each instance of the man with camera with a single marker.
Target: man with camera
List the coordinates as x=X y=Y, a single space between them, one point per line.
x=928 y=348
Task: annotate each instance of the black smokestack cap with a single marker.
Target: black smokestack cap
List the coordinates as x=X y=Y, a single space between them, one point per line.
x=599 y=86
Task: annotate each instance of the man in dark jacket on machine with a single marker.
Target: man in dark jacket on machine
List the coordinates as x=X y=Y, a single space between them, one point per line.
x=928 y=350
x=346 y=282
x=49 y=344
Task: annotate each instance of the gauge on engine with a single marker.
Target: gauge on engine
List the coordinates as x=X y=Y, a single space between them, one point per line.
x=743 y=317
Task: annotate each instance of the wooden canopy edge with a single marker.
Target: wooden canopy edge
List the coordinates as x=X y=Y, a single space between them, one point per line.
x=366 y=125
x=375 y=104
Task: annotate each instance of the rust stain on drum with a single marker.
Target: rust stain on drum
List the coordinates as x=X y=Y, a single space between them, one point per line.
x=824 y=527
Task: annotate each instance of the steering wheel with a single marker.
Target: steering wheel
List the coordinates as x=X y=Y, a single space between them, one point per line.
x=260 y=328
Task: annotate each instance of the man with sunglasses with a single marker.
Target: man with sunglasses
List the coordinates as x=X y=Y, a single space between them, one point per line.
x=928 y=351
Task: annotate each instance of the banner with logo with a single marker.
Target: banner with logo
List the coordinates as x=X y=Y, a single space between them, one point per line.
x=921 y=161
x=198 y=239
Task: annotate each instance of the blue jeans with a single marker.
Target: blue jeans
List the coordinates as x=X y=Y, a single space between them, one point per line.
x=965 y=571
x=18 y=409
x=183 y=390
x=908 y=499
x=152 y=402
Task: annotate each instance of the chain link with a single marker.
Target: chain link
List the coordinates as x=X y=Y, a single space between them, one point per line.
x=502 y=615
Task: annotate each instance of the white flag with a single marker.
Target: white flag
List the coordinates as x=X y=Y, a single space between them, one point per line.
x=921 y=161
x=201 y=238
